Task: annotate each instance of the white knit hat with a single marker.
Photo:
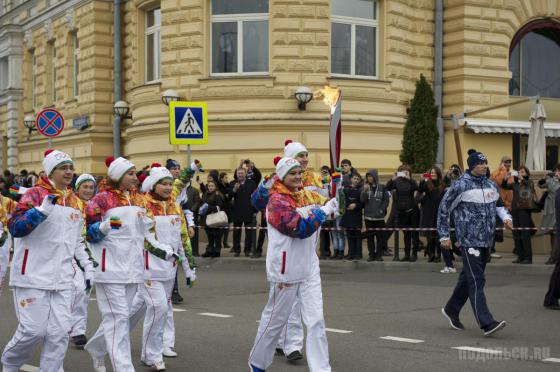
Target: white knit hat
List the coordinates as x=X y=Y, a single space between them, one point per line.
x=53 y=159
x=156 y=174
x=291 y=148
x=285 y=165
x=84 y=178
x=118 y=167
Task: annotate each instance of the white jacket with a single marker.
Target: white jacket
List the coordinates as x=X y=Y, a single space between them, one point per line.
x=43 y=258
x=120 y=253
x=168 y=231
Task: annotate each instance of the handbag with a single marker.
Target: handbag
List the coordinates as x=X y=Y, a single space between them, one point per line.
x=217 y=219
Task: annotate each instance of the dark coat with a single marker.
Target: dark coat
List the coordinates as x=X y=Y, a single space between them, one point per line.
x=404 y=193
x=242 y=210
x=429 y=202
x=215 y=202
x=193 y=200
x=352 y=218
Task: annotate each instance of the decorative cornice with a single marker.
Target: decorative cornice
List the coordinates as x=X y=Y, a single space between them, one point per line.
x=70 y=20
x=28 y=39
x=48 y=28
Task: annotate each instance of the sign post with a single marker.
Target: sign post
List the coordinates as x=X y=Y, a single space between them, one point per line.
x=50 y=124
x=188 y=124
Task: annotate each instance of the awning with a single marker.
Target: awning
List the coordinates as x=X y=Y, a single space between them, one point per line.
x=482 y=126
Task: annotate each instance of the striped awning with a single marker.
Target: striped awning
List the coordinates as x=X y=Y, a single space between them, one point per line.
x=482 y=126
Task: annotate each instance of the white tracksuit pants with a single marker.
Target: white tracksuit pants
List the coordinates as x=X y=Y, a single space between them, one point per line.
x=291 y=337
x=113 y=335
x=275 y=315
x=80 y=302
x=44 y=319
x=2 y=273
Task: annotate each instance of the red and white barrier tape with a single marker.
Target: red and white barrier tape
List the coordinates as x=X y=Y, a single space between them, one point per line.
x=379 y=228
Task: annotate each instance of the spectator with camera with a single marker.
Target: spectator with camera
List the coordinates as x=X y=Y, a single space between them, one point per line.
x=550 y=183
x=430 y=194
x=523 y=204
x=243 y=213
x=405 y=210
x=375 y=198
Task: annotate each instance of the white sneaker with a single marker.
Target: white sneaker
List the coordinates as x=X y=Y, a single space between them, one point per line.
x=158 y=366
x=169 y=352
x=448 y=270
x=99 y=365
x=495 y=255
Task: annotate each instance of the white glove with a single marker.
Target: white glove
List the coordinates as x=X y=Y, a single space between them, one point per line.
x=47 y=206
x=191 y=274
x=331 y=207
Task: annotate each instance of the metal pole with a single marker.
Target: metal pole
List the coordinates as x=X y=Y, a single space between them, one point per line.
x=438 y=79
x=117 y=67
x=50 y=143
x=188 y=155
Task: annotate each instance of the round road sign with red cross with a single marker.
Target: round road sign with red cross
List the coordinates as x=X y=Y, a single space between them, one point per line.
x=49 y=122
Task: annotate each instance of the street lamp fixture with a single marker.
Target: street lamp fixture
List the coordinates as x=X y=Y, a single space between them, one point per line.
x=169 y=96
x=29 y=123
x=303 y=96
x=122 y=109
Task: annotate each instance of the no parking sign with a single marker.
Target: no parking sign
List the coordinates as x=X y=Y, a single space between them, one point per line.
x=49 y=123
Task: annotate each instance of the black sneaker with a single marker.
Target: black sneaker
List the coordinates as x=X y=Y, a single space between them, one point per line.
x=295 y=355
x=79 y=341
x=494 y=327
x=279 y=351
x=453 y=319
x=176 y=298
x=553 y=306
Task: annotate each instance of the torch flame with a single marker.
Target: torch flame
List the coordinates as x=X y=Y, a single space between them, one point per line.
x=330 y=95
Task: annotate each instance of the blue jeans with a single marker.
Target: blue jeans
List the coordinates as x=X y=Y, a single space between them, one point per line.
x=471 y=286
x=337 y=237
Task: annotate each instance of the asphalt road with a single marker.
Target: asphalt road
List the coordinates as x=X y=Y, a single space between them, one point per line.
x=370 y=300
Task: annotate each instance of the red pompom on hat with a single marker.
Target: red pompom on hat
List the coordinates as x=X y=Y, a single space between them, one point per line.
x=47 y=152
x=109 y=160
x=155 y=165
x=142 y=177
x=277 y=159
x=287 y=142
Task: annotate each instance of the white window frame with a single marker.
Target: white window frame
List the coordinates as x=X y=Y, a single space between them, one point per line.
x=148 y=31
x=239 y=18
x=353 y=22
x=33 y=80
x=53 y=73
x=76 y=66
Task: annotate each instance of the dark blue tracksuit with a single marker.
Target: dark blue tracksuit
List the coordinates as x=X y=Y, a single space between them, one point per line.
x=472 y=203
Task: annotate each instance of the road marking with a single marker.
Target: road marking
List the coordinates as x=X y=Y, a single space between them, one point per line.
x=216 y=315
x=28 y=368
x=178 y=310
x=552 y=360
x=477 y=350
x=402 y=339
x=334 y=330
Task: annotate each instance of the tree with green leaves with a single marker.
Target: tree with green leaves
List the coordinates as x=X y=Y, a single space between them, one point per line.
x=420 y=137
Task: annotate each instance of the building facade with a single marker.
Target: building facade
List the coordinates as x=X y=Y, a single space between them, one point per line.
x=247 y=58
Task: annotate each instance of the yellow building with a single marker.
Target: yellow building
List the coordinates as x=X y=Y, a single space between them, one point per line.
x=247 y=58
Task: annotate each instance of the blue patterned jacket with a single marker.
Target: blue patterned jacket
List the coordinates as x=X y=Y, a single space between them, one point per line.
x=472 y=203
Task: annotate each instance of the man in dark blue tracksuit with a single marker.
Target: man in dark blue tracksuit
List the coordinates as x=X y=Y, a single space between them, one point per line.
x=471 y=201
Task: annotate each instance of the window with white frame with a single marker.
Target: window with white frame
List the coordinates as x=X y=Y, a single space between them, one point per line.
x=76 y=64
x=153 y=44
x=354 y=38
x=33 y=80
x=239 y=37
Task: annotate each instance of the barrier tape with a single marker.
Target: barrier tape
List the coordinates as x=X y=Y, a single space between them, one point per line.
x=379 y=228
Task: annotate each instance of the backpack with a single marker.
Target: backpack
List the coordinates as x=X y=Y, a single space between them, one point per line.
x=526 y=196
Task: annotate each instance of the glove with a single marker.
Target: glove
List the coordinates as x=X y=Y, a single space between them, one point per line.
x=191 y=278
x=331 y=207
x=47 y=206
x=88 y=286
x=203 y=209
x=114 y=223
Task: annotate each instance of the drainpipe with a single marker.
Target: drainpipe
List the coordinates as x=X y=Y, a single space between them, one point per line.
x=438 y=79
x=117 y=73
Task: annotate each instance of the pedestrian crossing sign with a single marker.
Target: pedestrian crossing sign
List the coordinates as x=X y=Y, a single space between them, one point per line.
x=188 y=123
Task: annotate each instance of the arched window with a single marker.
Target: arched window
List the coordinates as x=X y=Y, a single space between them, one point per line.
x=534 y=55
